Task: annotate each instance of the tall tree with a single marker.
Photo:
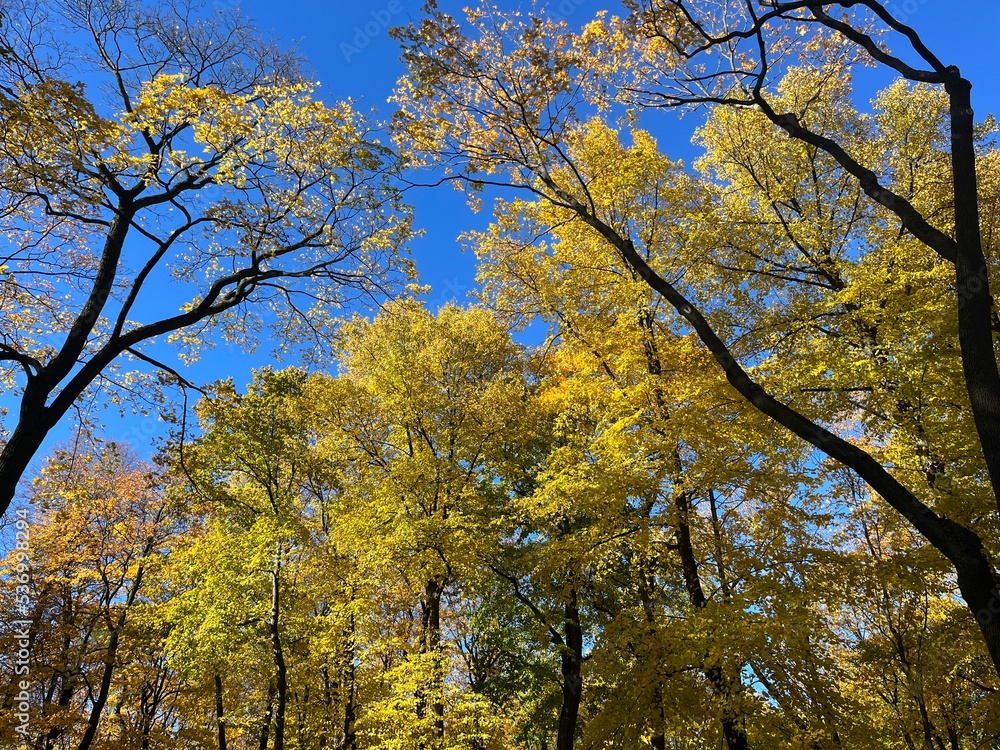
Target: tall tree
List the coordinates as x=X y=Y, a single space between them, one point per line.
x=250 y=474
x=418 y=419
x=499 y=101
x=209 y=183
x=100 y=524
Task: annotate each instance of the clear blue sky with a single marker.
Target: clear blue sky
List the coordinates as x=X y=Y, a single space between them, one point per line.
x=350 y=52
x=348 y=47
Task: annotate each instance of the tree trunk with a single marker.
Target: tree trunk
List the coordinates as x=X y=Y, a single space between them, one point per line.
x=265 y=727
x=280 y=671
x=975 y=304
x=101 y=700
x=350 y=692
x=722 y=686
x=571 y=662
x=27 y=437
x=111 y=654
x=431 y=625
x=220 y=713
x=658 y=740
x=67 y=681
x=35 y=418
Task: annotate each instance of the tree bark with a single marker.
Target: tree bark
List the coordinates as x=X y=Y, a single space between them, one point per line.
x=350 y=690
x=431 y=626
x=280 y=670
x=94 y=719
x=28 y=435
x=571 y=662
x=658 y=740
x=975 y=304
x=220 y=713
x=111 y=654
x=265 y=727
x=722 y=685
x=35 y=418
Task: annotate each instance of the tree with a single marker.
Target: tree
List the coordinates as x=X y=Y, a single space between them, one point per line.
x=337 y=524
x=101 y=522
x=659 y=501
x=210 y=183
x=499 y=102
x=250 y=474
x=417 y=421
x=907 y=650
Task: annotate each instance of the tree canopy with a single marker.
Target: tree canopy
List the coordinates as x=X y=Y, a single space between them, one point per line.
x=204 y=183
x=711 y=459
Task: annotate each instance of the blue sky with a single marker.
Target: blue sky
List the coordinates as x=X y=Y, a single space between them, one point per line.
x=348 y=46
x=348 y=49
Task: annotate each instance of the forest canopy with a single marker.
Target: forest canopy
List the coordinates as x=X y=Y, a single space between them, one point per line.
x=710 y=460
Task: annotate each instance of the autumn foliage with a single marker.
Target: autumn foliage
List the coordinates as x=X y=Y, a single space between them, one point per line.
x=712 y=460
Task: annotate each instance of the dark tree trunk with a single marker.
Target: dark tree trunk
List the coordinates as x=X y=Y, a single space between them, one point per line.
x=658 y=740
x=20 y=449
x=265 y=727
x=220 y=714
x=280 y=671
x=350 y=692
x=975 y=304
x=110 y=656
x=979 y=362
x=722 y=685
x=35 y=417
x=94 y=719
x=571 y=662
x=431 y=626
x=67 y=681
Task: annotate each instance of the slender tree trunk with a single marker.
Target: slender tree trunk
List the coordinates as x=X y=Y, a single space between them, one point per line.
x=720 y=564
x=220 y=715
x=111 y=655
x=570 y=645
x=302 y=705
x=65 y=696
x=658 y=741
x=571 y=662
x=431 y=625
x=265 y=727
x=350 y=692
x=101 y=700
x=975 y=334
x=67 y=682
x=324 y=738
x=722 y=686
x=280 y=671
x=953 y=737
x=149 y=709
